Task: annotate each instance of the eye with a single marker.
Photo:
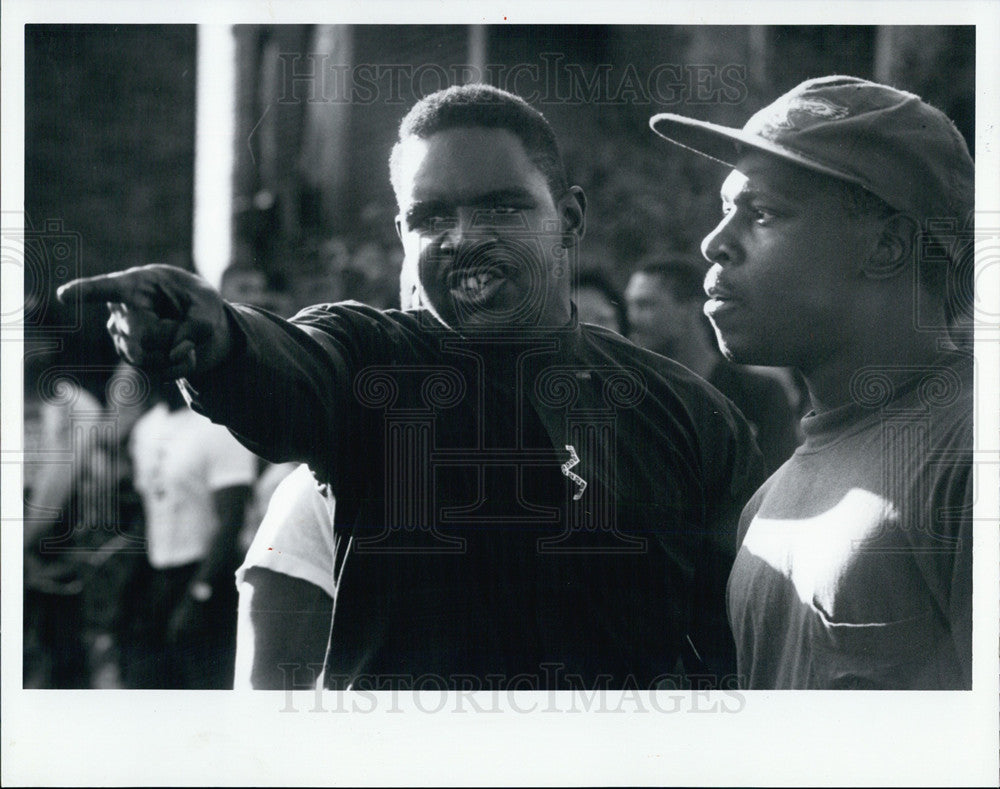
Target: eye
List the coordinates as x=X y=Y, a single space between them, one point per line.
x=761 y=215
x=500 y=215
x=432 y=221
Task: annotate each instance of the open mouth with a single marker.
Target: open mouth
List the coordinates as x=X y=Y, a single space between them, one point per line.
x=477 y=284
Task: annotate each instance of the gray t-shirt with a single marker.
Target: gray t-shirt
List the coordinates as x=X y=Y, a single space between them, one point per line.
x=855 y=563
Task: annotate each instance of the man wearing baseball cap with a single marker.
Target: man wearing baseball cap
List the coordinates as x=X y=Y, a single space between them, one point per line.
x=855 y=561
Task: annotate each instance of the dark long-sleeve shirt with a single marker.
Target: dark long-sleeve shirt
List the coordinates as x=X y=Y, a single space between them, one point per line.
x=531 y=510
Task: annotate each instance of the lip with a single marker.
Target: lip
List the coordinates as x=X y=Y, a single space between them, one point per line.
x=498 y=277
x=719 y=302
x=719 y=293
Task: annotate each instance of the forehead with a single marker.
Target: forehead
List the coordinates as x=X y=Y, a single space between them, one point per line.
x=459 y=163
x=758 y=172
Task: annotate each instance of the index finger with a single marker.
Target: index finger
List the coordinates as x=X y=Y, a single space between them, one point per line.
x=105 y=287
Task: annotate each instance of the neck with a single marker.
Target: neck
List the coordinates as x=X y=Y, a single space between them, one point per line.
x=829 y=379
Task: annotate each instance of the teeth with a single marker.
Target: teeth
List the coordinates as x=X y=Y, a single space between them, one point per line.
x=474 y=283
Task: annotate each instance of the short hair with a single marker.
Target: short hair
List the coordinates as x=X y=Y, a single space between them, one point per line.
x=596 y=280
x=483 y=106
x=682 y=275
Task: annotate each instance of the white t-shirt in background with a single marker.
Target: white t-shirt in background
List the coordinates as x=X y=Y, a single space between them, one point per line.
x=181 y=459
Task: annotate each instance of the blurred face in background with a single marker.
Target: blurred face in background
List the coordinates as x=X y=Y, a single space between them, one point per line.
x=486 y=236
x=657 y=321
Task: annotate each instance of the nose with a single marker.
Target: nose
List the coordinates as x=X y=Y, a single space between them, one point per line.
x=720 y=246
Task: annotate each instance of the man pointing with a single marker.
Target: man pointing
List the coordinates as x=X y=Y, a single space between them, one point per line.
x=521 y=501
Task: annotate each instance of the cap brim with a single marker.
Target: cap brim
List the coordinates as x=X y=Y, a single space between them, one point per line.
x=722 y=143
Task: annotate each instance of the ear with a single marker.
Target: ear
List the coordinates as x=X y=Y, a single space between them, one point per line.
x=894 y=246
x=573 y=212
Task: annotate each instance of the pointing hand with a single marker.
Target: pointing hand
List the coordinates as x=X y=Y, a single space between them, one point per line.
x=164 y=319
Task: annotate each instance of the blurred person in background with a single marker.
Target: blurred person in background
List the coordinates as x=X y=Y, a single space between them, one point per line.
x=82 y=521
x=316 y=282
x=665 y=299
x=372 y=276
x=195 y=480
x=287 y=587
x=598 y=302
x=246 y=284
x=55 y=535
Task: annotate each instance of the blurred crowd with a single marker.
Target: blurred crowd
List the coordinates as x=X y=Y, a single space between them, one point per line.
x=138 y=511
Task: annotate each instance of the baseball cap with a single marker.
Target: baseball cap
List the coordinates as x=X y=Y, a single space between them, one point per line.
x=888 y=141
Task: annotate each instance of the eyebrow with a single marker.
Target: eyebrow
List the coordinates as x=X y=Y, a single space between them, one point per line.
x=481 y=200
x=748 y=195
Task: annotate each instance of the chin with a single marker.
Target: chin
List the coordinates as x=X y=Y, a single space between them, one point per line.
x=744 y=353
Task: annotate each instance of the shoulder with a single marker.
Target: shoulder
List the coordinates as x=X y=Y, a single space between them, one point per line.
x=684 y=411
x=660 y=373
x=942 y=396
x=367 y=329
x=755 y=382
x=363 y=315
x=618 y=348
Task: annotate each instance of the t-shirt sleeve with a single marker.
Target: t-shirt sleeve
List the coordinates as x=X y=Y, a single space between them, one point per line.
x=296 y=535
